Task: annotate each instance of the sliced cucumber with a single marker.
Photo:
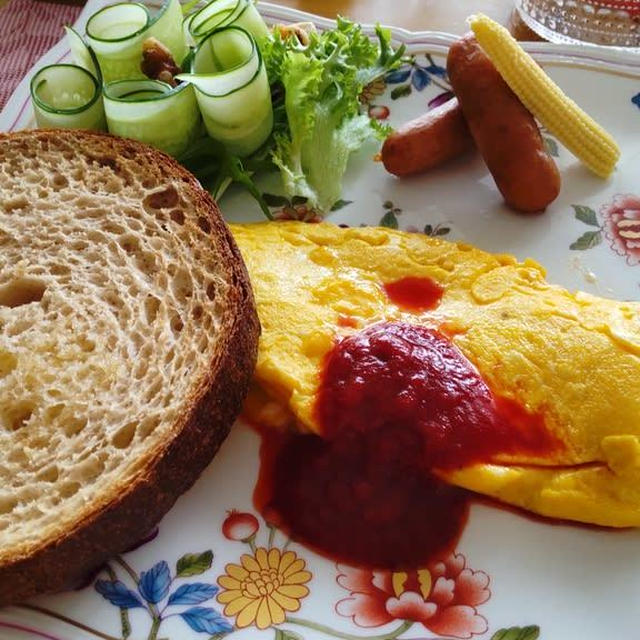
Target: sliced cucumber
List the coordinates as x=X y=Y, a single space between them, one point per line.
x=232 y=89
x=117 y=32
x=67 y=96
x=82 y=54
x=220 y=13
x=167 y=27
x=186 y=30
x=187 y=7
x=153 y=112
x=250 y=20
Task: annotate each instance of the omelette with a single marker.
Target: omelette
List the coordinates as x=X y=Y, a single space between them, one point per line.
x=570 y=358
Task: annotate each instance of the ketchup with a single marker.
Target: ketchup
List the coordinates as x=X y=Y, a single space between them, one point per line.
x=352 y=501
x=347 y=321
x=396 y=402
x=414 y=294
x=397 y=378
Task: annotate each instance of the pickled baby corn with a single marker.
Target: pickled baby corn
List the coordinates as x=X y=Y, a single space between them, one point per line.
x=577 y=131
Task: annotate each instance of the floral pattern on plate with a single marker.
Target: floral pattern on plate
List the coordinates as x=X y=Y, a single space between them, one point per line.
x=547 y=575
x=415 y=75
x=442 y=597
x=620 y=225
x=269 y=582
x=390 y=220
x=153 y=593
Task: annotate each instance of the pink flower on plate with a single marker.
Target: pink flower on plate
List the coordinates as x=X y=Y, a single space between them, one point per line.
x=621 y=226
x=379 y=111
x=443 y=597
x=297 y=212
x=241 y=527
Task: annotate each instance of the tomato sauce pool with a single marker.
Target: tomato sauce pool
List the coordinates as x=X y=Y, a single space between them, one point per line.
x=396 y=402
x=414 y=294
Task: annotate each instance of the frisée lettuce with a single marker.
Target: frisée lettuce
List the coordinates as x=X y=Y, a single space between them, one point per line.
x=316 y=83
x=322 y=83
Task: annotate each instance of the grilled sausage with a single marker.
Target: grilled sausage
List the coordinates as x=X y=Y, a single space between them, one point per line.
x=505 y=133
x=428 y=141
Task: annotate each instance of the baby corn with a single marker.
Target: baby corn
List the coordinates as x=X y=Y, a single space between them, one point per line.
x=577 y=131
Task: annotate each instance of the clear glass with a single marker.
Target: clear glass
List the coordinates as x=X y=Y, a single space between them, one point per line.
x=603 y=22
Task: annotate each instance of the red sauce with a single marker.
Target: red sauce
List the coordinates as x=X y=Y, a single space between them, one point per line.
x=396 y=376
x=414 y=294
x=347 y=321
x=395 y=402
x=353 y=501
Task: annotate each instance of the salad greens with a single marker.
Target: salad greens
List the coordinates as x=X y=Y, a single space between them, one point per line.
x=282 y=100
x=315 y=91
x=322 y=84
x=232 y=89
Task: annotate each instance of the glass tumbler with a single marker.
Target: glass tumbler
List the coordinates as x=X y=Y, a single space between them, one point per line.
x=602 y=22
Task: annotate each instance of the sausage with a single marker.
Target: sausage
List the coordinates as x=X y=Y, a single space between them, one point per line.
x=426 y=142
x=505 y=133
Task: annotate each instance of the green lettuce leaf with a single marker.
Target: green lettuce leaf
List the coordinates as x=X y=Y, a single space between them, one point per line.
x=322 y=83
x=315 y=91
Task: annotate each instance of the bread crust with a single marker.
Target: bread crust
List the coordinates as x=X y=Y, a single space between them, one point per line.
x=120 y=520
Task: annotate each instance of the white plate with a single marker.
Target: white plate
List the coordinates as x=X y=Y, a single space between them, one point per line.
x=510 y=571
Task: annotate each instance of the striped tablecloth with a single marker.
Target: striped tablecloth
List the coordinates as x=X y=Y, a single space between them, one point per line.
x=28 y=28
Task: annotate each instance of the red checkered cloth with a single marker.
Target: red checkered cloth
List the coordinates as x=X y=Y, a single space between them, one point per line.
x=28 y=28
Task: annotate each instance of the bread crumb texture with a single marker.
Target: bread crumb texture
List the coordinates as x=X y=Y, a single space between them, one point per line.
x=111 y=299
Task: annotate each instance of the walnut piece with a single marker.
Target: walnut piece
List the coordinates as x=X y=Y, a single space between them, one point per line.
x=300 y=30
x=157 y=62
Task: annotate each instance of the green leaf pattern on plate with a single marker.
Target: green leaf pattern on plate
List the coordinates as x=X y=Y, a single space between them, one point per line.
x=551 y=145
x=401 y=91
x=193 y=564
x=586 y=215
x=389 y=220
x=587 y=240
x=531 y=632
x=284 y=634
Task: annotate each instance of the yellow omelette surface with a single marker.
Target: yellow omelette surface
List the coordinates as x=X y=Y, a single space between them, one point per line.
x=573 y=358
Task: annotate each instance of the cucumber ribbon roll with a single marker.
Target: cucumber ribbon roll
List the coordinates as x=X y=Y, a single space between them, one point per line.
x=67 y=96
x=232 y=89
x=224 y=13
x=154 y=112
x=107 y=87
x=116 y=34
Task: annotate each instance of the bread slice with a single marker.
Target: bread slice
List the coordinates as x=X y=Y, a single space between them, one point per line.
x=128 y=336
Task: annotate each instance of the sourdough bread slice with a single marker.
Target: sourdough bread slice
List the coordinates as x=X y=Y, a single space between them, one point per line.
x=128 y=337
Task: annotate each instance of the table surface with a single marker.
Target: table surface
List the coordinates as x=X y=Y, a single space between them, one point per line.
x=416 y=15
